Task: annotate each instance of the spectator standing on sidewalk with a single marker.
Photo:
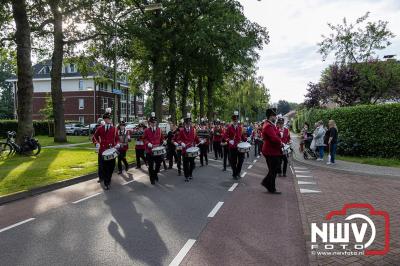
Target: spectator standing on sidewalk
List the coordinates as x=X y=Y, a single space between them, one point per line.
x=304 y=135
x=332 y=142
x=319 y=134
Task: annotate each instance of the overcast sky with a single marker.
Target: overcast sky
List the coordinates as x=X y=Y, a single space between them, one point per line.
x=291 y=59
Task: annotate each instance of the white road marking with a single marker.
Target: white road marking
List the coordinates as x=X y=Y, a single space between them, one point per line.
x=291 y=169
x=94 y=195
x=300 y=168
x=254 y=161
x=258 y=156
x=243 y=175
x=182 y=253
x=215 y=210
x=233 y=187
x=128 y=182
x=303 y=190
x=250 y=166
x=303 y=176
x=305 y=183
x=15 y=225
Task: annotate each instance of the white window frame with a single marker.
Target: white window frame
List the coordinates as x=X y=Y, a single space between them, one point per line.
x=81 y=84
x=72 y=68
x=81 y=102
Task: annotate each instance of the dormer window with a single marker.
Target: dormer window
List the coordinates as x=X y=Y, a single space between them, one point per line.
x=45 y=70
x=72 y=68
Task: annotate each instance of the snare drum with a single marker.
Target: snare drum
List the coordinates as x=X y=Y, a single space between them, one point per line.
x=110 y=154
x=193 y=152
x=158 y=151
x=244 y=147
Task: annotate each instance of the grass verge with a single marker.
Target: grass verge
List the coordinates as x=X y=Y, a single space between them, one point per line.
x=371 y=161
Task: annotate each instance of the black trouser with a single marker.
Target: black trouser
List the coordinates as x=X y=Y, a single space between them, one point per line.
x=217 y=149
x=179 y=160
x=226 y=155
x=188 y=166
x=122 y=159
x=273 y=165
x=285 y=163
x=140 y=154
x=100 y=166
x=154 y=166
x=171 y=154
x=237 y=159
x=256 y=147
x=210 y=145
x=106 y=169
x=260 y=144
x=203 y=153
x=163 y=161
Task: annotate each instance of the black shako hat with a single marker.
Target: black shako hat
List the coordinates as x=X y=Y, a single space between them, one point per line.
x=107 y=114
x=270 y=112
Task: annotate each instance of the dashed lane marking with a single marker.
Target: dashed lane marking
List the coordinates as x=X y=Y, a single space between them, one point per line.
x=86 y=198
x=305 y=191
x=254 y=161
x=304 y=176
x=243 y=175
x=215 y=210
x=232 y=188
x=297 y=171
x=17 y=224
x=305 y=183
x=300 y=168
x=250 y=166
x=258 y=156
x=182 y=253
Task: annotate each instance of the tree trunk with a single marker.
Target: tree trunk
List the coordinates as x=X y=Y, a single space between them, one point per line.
x=56 y=70
x=24 y=70
x=185 y=90
x=210 y=111
x=172 y=91
x=201 y=96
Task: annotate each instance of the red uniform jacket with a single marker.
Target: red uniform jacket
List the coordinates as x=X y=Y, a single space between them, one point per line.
x=155 y=138
x=235 y=135
x=123 y=138
x=189 y=138
x=218 y=134
x=284 y=135
x=106 y=139
x=272 y=142
x=256 y=134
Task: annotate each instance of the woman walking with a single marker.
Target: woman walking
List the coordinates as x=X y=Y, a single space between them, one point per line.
x=332 y=142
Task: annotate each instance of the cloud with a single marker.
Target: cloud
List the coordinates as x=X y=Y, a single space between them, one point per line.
x=291 y=60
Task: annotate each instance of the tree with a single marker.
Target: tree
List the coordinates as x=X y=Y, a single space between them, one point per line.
x=7 y=68
x=352 y=44
x=315 y=95
x=283 y=107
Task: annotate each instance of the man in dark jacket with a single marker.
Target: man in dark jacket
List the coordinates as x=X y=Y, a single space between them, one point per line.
x=272 y=150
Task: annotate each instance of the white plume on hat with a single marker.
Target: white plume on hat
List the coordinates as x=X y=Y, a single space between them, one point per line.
x=202 y=119
x=108 y=110
x=188 y=115
x=153 y=114
x=182 y=120
x=235 y=113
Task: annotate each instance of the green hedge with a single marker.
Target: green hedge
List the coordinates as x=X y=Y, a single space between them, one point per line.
x=41 y=127
x=364 y=130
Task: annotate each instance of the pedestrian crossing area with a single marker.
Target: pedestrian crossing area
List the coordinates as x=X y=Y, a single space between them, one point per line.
x=306 y=181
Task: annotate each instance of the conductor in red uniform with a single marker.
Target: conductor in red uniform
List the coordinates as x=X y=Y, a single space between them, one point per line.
x=234 y=136
x=106 y=137
x=153 y=138
x=272 y=150
x=187 y=138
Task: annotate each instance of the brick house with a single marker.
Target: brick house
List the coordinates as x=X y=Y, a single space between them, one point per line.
x=85 y=97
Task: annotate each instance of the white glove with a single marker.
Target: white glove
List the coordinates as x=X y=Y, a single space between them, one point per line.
x=202 y=141
x=150 y=145
x=176 y=144
x=97 y=147
x=165 y=142
x=183 y=145
x=117 y=146
x=231 y=142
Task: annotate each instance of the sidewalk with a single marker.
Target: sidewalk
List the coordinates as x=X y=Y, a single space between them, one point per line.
x=65 y=145
x=344 y=166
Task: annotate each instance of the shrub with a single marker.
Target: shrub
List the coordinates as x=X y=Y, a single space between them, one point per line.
x=40 y=127
x=364 y=130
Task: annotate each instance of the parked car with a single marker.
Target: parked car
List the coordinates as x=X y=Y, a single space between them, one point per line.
x=76 y=129
x=92 y=128
x=130 y=127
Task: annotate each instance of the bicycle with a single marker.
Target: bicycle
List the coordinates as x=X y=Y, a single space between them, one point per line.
x=30 y=146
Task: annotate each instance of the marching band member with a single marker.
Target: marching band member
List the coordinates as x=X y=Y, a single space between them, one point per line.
x=171 y=148
x=178 y=147
x=124 y=139
x=256 y=136
x=187 y=138
x=203 y=144
x=153 y=138
x=234 y=136
x=106 y=137
x=225 y=148
x=284 y=134
x=271 y=150
x=139 y=146
x=217 y=138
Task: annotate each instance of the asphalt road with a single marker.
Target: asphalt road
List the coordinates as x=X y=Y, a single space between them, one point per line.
x=136 y=223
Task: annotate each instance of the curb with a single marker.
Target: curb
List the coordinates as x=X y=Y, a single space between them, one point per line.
x=40 y=190
x=344 y=171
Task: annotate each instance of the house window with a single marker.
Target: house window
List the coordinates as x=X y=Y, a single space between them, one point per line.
x=72 y=68
x=140 y=109
x=105 y=103
x=82 y=120
x=81 y=84
x=81 y=104
x=123 y=108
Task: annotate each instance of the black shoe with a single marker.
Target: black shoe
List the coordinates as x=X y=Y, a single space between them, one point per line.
x=107 y=187
x=215 y=158
x=170 y=167
x=275 y=192
x=99 y=181
x=264 y=185
x=206 y=163
x=190 y=177
x=186 y=180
